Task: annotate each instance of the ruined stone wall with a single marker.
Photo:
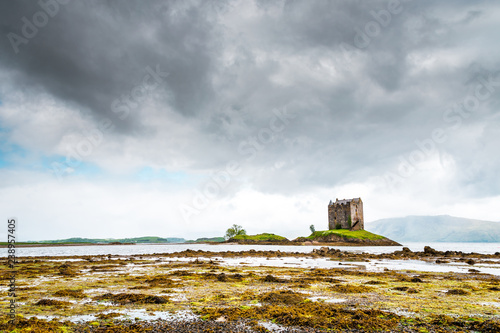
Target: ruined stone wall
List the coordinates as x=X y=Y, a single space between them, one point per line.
x=357 y=215
x=339 y=214
x=331 y=217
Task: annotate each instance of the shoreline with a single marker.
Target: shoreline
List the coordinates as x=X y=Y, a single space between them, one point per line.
x=3 y=246
x=325 y=257
x=308 y=243
x=224 y=292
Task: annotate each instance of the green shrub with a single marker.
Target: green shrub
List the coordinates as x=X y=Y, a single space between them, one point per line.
x=235 y=230
x=358 y=234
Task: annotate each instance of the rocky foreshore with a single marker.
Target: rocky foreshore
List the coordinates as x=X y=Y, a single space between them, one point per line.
x=405 y=253
x=135 y=293
x=325 y=251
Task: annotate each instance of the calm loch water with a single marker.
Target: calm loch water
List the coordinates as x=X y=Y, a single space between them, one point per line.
x=493 y=267
x=138 y=249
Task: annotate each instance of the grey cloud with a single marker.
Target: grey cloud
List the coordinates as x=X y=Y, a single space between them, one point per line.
x=91 y=53
x=355 y=116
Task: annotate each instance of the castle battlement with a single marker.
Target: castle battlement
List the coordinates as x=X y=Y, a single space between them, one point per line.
x=346 y=214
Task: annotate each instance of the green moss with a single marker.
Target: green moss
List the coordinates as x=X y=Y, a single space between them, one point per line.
x=260 y=237
x=358 y=234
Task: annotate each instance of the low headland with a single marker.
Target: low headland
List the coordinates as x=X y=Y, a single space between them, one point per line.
x=338 y=237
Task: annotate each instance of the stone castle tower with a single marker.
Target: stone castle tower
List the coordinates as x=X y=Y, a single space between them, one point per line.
x=346 y=214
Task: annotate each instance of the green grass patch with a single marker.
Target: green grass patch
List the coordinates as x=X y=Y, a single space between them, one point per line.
x=357 y=234
x=260 y=237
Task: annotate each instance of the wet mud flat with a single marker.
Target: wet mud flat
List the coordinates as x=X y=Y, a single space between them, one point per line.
x=159 y=293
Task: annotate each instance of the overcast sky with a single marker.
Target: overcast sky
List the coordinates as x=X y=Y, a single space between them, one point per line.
x=180 y=118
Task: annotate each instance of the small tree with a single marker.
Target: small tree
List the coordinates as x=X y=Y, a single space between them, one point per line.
x=349 y=222
x=234 y=231
x=312 y=228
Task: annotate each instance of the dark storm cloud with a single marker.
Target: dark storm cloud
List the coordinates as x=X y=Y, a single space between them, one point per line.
x=92 y=52
x=361 y=97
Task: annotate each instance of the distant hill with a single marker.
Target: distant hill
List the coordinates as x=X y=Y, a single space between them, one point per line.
x=141 y=240
x=207 y=240
x=443 y=228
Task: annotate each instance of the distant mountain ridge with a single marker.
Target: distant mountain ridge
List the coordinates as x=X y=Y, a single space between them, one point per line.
x=442 y=228
x=135 y=240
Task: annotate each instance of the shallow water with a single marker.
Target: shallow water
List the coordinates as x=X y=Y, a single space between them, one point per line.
x=132 y=314
x=374 y=265
x=138 y=249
